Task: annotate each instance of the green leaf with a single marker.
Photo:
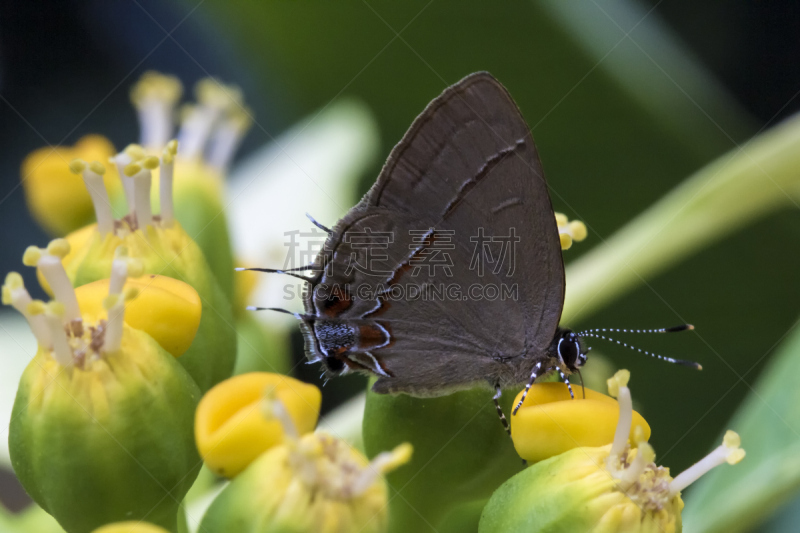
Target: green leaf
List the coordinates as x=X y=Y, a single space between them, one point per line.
x=732 y=499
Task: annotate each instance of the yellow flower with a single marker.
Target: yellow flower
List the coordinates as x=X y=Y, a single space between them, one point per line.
x=230 y=428
x=314 y=483
x=57 y=199
x=612 y=488
x=550 y=423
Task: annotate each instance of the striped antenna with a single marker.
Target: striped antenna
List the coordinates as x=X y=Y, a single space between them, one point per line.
x=673 y=329
x=681 y=362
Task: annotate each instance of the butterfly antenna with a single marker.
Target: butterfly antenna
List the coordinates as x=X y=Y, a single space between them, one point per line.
x=681 y=362
x=288 y=271
x=673 y=329
x=277 y=309
x=320 y=226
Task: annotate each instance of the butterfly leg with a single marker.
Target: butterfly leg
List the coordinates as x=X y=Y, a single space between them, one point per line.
x=565 y=379
x=500 y=413
x=534 y=374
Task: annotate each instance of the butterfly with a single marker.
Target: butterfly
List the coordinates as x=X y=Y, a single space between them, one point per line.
x=448 y=274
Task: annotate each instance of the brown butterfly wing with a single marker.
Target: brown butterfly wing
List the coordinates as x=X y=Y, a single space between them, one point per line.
x=467 y=166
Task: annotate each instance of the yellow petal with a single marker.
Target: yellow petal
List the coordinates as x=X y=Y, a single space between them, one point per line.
x=166 y=309
x=230 y=429
x=56 y=197
x=133 y=526
x=549 y=422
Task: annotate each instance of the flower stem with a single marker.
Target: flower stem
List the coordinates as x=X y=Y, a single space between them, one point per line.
x=747 y=183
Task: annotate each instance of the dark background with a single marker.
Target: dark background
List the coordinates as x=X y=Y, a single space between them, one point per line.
x=66 y=68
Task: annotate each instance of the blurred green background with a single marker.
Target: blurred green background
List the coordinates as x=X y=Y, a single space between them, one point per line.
x=625 y=100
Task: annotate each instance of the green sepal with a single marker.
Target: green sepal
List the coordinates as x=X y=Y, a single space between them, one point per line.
x=111 y=443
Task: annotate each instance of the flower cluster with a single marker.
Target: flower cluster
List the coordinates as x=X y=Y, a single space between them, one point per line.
x=131 y=391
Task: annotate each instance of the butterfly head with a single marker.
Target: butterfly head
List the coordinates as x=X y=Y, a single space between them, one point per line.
x=571 y=351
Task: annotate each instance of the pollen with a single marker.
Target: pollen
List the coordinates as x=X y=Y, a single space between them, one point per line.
x=59 y=248
x=97 y=167
x=76 y=166
x=132 y=169
x=154 y=86
x=31 y=256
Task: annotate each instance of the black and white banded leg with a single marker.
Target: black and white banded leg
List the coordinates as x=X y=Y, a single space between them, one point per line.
x=535 y=373
x=497 y=394
x=565 y=379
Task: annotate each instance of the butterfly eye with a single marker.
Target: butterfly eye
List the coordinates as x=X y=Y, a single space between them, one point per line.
x=334 y=364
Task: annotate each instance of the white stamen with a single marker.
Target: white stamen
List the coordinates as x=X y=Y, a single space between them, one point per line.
x=630 y=475
x=155 y=96
x=115 y=307
x=93 y=179
x=19 y=299
x=53 y=271
x=226 y=139
x=61 y=350
x=195 y=130
x=728 y=452
x=142 y=183
x=119 y=274
x=383 y=462
x=624 y=423
x=122 y=160
x=166 y=184
x=213 y=98
x=115 y=302
x=617 y=386
x=155 y=122
x=274 y=408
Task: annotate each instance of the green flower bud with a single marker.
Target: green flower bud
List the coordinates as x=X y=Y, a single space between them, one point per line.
x=607 y=489
x=315 y=483
x=102 y=424
x=461 y=453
